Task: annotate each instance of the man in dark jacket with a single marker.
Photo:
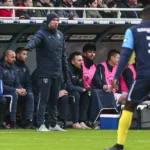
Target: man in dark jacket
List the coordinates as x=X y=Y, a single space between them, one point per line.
x=44 y=3
x=26 y=14
x=76 y=88
x=67 y=13
x=51 y=65
x=11 y=85
x=79 y=3
x=26 y=102
x=128 y=4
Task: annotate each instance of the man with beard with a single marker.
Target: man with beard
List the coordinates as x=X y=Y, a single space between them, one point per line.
x=11 y=84
x=51 y=66
x=76 y=88
x=89 y=69
x=26 y=102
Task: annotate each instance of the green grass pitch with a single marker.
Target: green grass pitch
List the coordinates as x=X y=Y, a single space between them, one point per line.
x=70 y=140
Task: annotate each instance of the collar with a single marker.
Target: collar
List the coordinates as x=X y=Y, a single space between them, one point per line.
x=88 y=63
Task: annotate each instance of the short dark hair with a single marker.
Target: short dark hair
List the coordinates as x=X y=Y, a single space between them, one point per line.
x=5 y=1
x=112 y=52
x=89 y=1
x=89 y=46
x=73 y=54
x=19 y=49
x=25 y=1
x=145 y=14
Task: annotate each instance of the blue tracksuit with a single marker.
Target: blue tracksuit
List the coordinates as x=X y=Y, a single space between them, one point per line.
x=51 y=66
x=137 y=38
x=26 y=102
x=10 y=83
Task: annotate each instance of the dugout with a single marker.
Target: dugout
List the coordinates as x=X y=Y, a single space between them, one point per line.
x=105 y=33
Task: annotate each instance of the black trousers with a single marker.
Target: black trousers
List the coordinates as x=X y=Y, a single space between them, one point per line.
x=26 y=104
x=48 y=95
x=2 y=108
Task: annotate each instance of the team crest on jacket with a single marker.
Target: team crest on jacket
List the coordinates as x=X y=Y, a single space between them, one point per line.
x=45 y=80
x=58 y=35
x=24 y=69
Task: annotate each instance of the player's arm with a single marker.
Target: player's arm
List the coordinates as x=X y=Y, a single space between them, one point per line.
x=126 y=53
x=35 y=41
x=128 y=77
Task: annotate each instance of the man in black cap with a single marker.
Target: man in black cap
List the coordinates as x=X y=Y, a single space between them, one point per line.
x=51 y=66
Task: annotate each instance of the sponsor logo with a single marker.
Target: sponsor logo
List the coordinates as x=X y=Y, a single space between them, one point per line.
x=45 y=80
x=148 y=37
x=82 y=37
x=24 y=69
x=5 y=37
x=125 y=40
x=143 y=30
x=58 y=36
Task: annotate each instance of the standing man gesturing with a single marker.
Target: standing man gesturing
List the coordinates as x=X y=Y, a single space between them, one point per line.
x=51 y=65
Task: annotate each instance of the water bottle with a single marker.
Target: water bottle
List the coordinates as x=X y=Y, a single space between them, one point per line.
x=1 y=87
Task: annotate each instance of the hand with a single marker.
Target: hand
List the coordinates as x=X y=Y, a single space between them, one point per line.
x=62 y=93
x=115 y=84
x=107 y=88
x=19 y=91
x=23 y=92
x=84 y=89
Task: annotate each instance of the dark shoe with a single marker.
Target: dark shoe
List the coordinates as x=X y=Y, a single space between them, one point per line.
x=29 y=125
x=3 y=127
x=13 y=125
x=93 y=125
x=115 y=147
x=62 y=123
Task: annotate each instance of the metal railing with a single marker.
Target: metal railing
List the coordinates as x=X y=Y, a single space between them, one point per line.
x=84 y=9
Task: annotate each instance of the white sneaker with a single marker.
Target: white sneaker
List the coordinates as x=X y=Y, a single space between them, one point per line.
x=77 y=126
x=84 y=125
x=56 y=128
x=42 y=128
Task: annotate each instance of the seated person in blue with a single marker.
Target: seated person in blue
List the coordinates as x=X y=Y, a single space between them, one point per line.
x=11 y=84
x=26 y=102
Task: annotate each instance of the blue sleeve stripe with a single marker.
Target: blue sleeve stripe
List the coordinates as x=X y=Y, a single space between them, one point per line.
x=128 y=40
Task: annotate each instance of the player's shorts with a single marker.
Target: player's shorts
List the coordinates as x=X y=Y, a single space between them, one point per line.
x=139 y=91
